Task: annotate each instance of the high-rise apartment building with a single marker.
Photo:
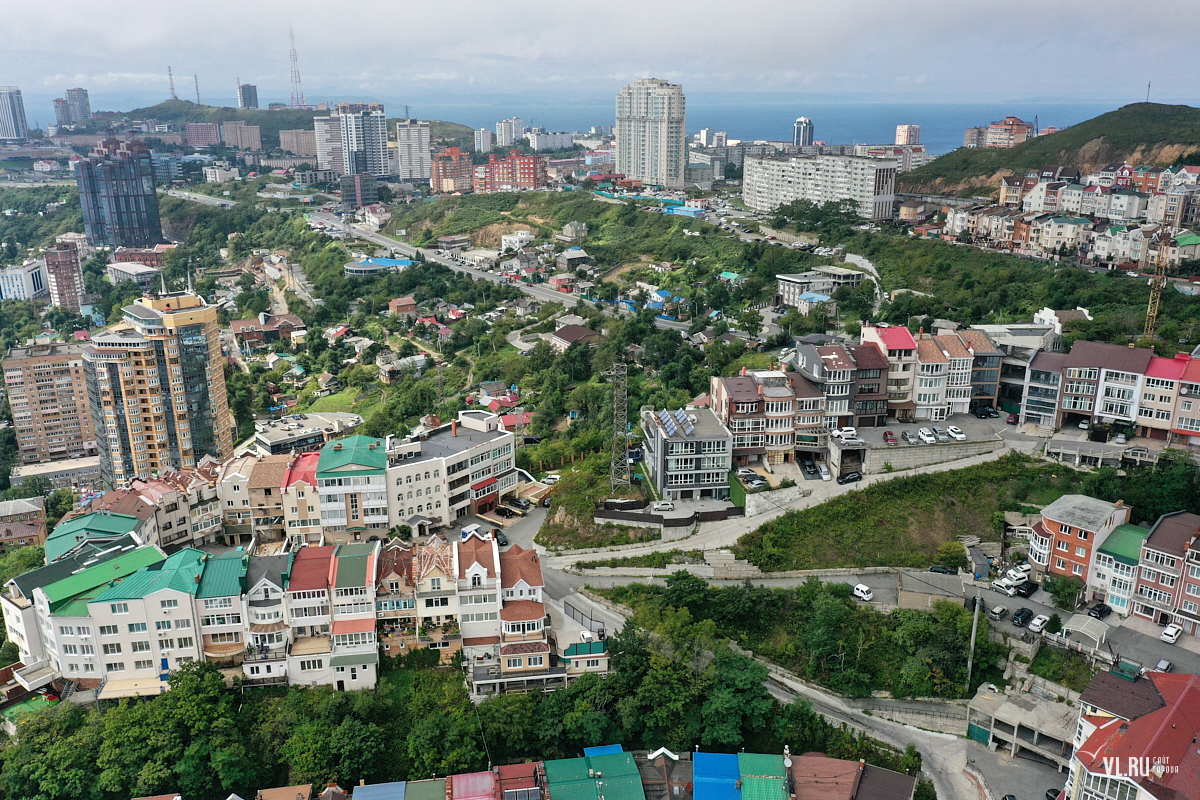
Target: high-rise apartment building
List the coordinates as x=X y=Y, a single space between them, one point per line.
x=299 y=142
x=240 y=136
x=1009 y=132
x=62 y=112
x=651 y=132
x=364 y=141
x=116 y=191
x=908 y=134
x=413 y=145
x=516 y=173
x=156 y=388
x=13 y=125
x=202 y=134
x=48 y=395
x=451 y=171
x=485 y=141
x=65 y=276
x=247 y=95
x=509 y=131
x=79 y=104
x=768 y=183
x=802 y=132
x=358 y=190
x=327 y=135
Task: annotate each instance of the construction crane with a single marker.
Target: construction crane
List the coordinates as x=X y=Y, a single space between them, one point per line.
x=1157 y=282
x=171 y=80
x=618 y=470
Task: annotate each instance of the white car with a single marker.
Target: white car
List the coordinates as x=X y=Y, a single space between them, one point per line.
x=926 y=436
x=550 y=480
x=824 y=470
x=1019 y=573
x=1038 y=623
x=663 y=505
x=863 y=592
x=956 y=433
x=1085 y=424
x=1171 y=633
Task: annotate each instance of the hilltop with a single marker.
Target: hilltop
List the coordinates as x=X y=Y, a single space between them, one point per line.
x=1141 y=133
x=271 y=122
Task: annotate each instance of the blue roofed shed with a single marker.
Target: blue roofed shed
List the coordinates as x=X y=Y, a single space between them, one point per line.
x=380 y=791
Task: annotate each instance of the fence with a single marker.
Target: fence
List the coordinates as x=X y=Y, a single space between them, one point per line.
x=583 y=619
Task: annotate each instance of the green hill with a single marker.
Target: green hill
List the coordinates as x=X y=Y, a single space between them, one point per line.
x=1141 y=133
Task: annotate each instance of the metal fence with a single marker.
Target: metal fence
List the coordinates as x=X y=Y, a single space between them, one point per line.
x=579 y=616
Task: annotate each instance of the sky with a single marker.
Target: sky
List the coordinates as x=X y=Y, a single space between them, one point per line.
x=921 y=51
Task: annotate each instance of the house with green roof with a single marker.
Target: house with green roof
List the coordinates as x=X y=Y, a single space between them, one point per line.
x=352 y=479
x=1113 y=578
x=763 y=776
x=581 y=658
x=611 y=776
x=97 y=527
x=220 y=607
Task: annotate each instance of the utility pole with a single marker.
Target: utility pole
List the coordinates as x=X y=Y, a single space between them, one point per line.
x=974 y=628
x=618 y=470
x=171 y=80
x=197 y=79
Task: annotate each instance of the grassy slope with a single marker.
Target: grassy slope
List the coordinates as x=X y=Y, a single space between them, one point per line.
x=1142 y=131
x=899 y=522
x=452 y=133
x=271 y=122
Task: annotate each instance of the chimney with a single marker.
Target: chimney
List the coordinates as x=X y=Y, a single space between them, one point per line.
x=454 y=427
x=743 y=372
x=337 y=445
x=921 y=332
x=1131 y=345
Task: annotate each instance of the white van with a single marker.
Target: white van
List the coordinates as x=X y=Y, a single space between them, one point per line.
x=863 y=592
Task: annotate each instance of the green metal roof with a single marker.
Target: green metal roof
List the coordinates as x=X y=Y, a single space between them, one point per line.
x=352 y=456
x=613 y=764
x=351 y=660
x=757 y=788
x=73 y=608
x=569 y=778
x=1187 y=240
x=561 y=770
x=351 y=570
x=426 y=790
x=1124 y=544
x=87 y=526
x=760 y=764
x=180 y=571
x=224 y=576
x=86 y=580
x=586 y=649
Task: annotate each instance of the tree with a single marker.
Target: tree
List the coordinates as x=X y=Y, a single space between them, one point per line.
x=1055 y=624
x=750 y=321
x=952 y=555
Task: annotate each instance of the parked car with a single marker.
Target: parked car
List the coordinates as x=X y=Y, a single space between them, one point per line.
x=941 y=435
x=1171 y=633
x=521 y=503
x=1012 y=419
x=1027 y=589
x=998 y=613
x=1053 y=794
x=550 y=480
x=1038 y=623
x=980 y=413
x=504 y=513
x=1085 y=424
x=845 y=433
x=1020 y=572
x=501 y=539
x=956 y=433
x=926 y=436
x=850 y=477
x=890 y=438
x=824 y=470
x=757 y=483
x=1100 y=611
x=1119 y=439
x=940 y=570
x=809 y=467
x=746 y=472
x=1021 y=617
x=908 y=437
x=1005 y=586
x=663 y=505
x=862 y=592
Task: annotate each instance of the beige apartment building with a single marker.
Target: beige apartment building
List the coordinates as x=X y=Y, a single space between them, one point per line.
x=48 y=395
x=156 y=387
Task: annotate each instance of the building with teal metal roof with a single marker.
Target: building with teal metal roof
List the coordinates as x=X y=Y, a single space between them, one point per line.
x=180 y=571
x=763 y=776
x=92 y=578
x=612 y=776
x=1117 y=561
x=95 y=527
x=352 y=456
x=224 y=576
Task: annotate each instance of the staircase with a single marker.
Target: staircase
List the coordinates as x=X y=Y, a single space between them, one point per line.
x=727 y=567
x=1045 y=431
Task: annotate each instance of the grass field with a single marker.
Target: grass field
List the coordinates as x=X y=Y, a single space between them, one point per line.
x=344 y=401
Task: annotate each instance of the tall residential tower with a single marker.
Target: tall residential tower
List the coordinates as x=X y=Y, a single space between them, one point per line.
x=651 y=132
x=13 y=126
x=156 y=387
x=116 y=191
x=364 y=139
x=802 y=133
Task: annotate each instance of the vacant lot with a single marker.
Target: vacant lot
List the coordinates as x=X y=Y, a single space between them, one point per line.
x=901 y=522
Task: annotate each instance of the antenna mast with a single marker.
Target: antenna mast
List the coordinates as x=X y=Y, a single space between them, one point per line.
x=618 y=470
x=171 y=80
x=297 y=89
x=197 y=79
x=1147 y=91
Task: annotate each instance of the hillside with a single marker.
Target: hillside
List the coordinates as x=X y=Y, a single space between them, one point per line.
x=1141 y=133
x=452 y=133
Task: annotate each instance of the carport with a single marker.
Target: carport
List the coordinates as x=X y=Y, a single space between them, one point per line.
x=1087 y=626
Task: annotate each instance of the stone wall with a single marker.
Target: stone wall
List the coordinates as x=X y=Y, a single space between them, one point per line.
x=919 y=455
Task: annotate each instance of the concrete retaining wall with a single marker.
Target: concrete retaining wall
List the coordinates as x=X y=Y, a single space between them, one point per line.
x=920 y=455
x=762 y=502
x=705 y=571
x=669 y=533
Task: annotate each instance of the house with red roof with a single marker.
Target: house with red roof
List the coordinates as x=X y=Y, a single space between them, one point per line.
x=1160 y=393
x=1186 y=425
x=267 y=329
x=900 y=349
x=301 y=503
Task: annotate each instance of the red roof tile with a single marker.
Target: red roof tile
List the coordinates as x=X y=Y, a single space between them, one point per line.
x=518 y=564
x=1167 y=368
x=311 y=568
x=519 y=610
x=896 y=337
x=353 y=625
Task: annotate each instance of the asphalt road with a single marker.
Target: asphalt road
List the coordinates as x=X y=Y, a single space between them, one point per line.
x=201 y=198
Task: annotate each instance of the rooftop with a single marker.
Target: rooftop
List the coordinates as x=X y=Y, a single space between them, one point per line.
x=224 y=576
x=104 y=526
x=1109 y=356
x=354 y=565
x=1120 y=696
x=445 y=443
x=180 y=572
x=1172 y=533
x=1079 y=511
x=704 y=426
x=310 y=568
x=895 y=337
x=354 y=455
x=1125 y=543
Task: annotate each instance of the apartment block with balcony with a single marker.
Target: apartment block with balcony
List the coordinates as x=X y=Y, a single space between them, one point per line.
x=1159 y=395
x=307 y=612
x=900 y=348
x=1065 y=540
x=221 y=608
x=832 y=369
x=811 y=435
x=1168 y=582
x=233 y=492
x=932 y=369
x=267 y=633
x=1113 y=579
x=186 y=507
x=479 y=596
x=354 y=656
x=47 y=392
x=1102 y=382
x=352 y=481
x=265 y=490
x=1186 y=426
x=870 y=386
x=1040 y=398
x=301 y=500
x=435 y=576
x=985 y=367
x=739 y=407
x=688 y=453
x=778 y=397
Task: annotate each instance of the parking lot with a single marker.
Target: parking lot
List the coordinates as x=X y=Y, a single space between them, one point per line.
x=974 y=429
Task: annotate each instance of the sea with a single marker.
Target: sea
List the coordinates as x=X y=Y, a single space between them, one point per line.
x=743 y=115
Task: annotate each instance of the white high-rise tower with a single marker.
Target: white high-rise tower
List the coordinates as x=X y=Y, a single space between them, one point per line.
x=651 y=132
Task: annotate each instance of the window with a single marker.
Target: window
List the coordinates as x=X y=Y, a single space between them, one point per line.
x=143 y=665
x=1059 y=564
x=115 y=666
x=167 y=604
x=437 y=602
x=70 y=650
x=514 y=663
x=311 y=665
x=229 y=637
x=66 y=630
x=221 y=619
x=186 y=641
x=119 y=608
x=89 y=667
x=439 y=645
x=112 y=649
x=592 y=663
x=536 y=661
x=1061 y=545
x=108 y=630
x=218 y=602
x=162 y=625
x=1081 y=551
x=137 y=627
x=435 y=584
x=1076 y=569
x=166 y=644
x=140 y=647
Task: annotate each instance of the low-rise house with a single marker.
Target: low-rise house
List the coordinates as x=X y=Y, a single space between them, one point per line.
x=435 y=571
x=395 y=599
x=402 y=306
x=572 y=259
x=586 y=658
x=22 y=522
x=568 y=335
x=393 y=368
x=1115 y=577
x=98 y=527
x=267 y=329
x=1065 y=540
x=1168 y=582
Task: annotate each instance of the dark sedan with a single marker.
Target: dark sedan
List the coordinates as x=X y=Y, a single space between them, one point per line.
x=850 y=477
x=1100 y=611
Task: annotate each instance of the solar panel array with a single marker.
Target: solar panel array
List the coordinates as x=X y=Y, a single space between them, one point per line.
x=684 y=422
x=668 y=422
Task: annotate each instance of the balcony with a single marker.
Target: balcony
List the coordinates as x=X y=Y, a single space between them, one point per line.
x=310 y=646
x=253 y=654
x=532 y=636
x=446 y=632
x=36 y=675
